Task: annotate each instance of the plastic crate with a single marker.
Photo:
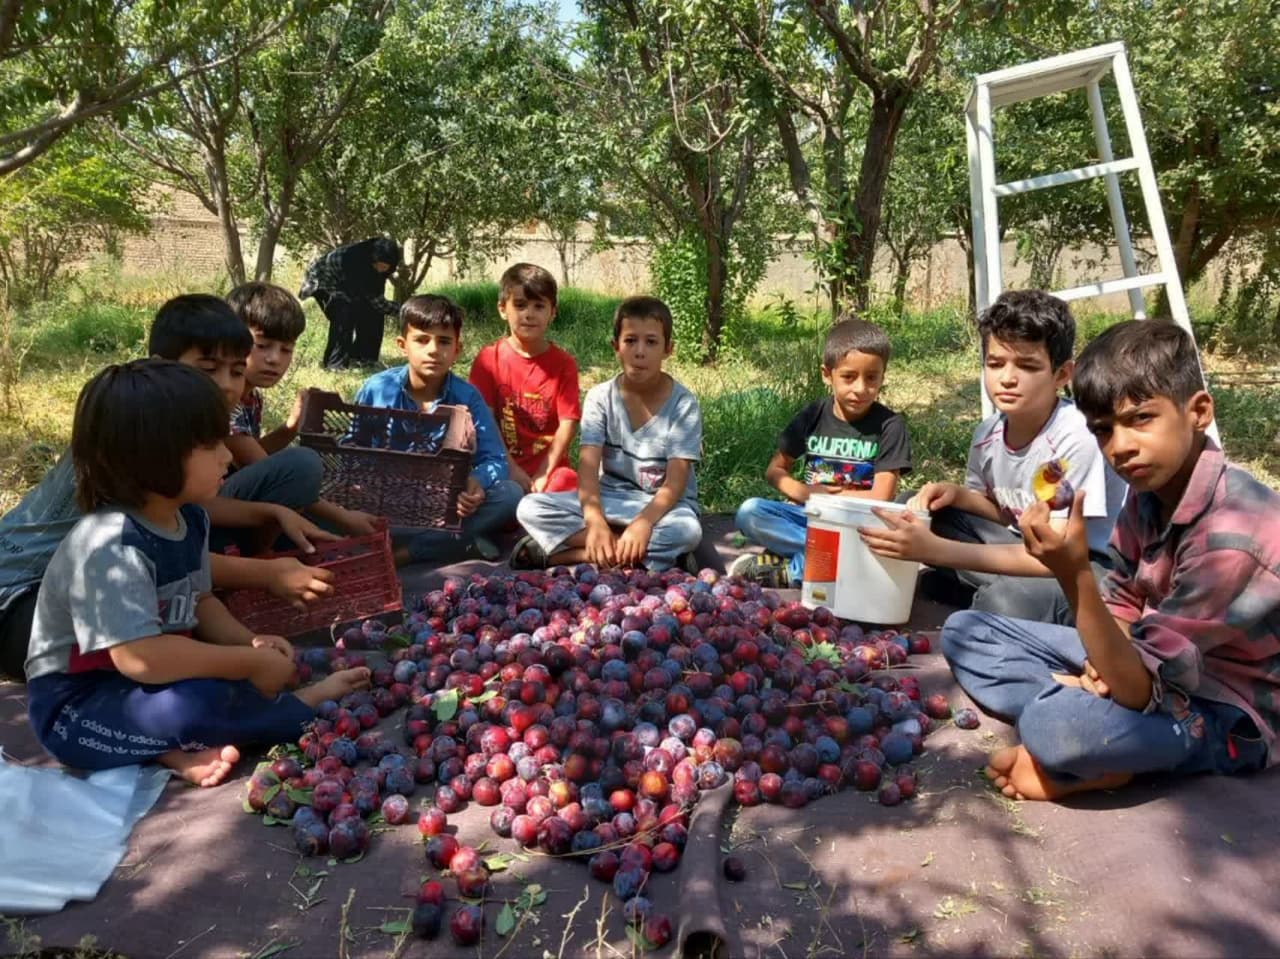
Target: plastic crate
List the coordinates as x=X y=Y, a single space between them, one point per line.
x=415 y=485
x=364 y=580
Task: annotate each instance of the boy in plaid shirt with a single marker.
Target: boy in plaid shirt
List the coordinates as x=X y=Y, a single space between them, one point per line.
x=1174 y=664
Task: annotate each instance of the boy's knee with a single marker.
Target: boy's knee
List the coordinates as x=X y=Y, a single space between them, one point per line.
x=960 y=631
x=303 y=470
x=748 y=515
x=683 y=532
x=531 y=508
x=1053 y=732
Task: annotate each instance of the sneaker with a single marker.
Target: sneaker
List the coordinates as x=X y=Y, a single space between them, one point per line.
x=765 y=569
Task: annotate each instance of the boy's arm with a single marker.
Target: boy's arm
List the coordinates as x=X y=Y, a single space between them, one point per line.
x=355 y=522
x=601 y=544
x=284 y=434
x=245 y=449
x=165 y=659
x=490 y=464
x=935 y=496
x=884 y=486
x=240 y=514
x=1111 y=652
x=283 y=577
x=634 y=541
x=778 y=475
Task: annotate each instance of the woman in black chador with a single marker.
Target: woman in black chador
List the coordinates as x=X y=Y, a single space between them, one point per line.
x=348 y=284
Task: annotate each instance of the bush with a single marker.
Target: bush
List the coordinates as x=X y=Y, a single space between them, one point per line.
x=60 y=331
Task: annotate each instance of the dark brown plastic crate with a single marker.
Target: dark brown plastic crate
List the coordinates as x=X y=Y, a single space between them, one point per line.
x=418 y=488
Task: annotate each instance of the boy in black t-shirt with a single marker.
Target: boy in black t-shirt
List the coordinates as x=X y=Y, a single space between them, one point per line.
x=851 y=446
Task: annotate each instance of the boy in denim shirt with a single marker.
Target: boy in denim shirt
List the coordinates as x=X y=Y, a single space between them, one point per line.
x=431 y=340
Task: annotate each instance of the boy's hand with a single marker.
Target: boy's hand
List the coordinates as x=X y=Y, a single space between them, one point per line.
x=902 y=537
x=634 y=542
x=934 y=496
x=301 y=530
x=294 y=420
x=271 y=672
x=277 y=643
x=1089 y=681
x=469 y=499
x=1064 y=553
x=824 y=489
x=522 y=479
x=357 y=522
x=602 y=545
x=298 y=583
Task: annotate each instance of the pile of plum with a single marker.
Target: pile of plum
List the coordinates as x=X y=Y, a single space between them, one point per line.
x=590 y=709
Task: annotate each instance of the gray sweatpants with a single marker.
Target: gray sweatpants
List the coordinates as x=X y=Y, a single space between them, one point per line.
x=551 y=518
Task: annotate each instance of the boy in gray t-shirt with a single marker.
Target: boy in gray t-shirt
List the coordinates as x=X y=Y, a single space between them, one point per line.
x=1032 y=447
x=637 y=497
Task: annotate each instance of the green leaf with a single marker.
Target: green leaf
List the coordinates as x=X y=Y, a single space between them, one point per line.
x=484 y=697
x=271 y=792
x=500 y=862
x=302 y=797
x=445 y=705
x=275 y=948
x=395 y=928
x=244 y=804
x=506 y=920
x=638 y=939
x=801 y=886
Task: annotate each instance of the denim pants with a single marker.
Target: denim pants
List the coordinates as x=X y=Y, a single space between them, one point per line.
x=442 y=546
x=101 y=719
x=1037 y=598
x=779 y=527
x=1005 y=665
x=290 y=477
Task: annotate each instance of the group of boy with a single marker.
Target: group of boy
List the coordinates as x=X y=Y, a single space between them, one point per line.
x=1151 y=595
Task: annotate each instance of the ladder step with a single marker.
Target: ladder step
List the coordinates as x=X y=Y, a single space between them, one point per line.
x=1120 y=285
x=1079 y=175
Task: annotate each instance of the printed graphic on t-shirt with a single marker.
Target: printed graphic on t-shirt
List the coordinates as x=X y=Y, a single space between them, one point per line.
x=845 y=461
x=651 y=477
x=528 y=417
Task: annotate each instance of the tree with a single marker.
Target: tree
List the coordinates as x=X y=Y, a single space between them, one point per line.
x=678 y=106
x=77 y=199
x=453 y=144
x=828 y=63
x=236 y=130
x=62 y=64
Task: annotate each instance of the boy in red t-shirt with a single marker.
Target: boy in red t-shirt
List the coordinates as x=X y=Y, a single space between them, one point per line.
x=531 y=384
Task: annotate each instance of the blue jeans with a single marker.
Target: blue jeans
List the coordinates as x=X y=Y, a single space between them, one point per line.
x=101 y=719
x=290 y=477
x=1005 y=665
x=779 y=527
x=442 y=546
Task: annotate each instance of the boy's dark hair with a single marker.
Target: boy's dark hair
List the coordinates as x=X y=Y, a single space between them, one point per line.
x=135 y=424
x=851 y=334
x=643 y=308
x=385 y=250
x=531 y=280
x=1136 y=360
x=272 y=311
x=199 y=320
x=1030 y=316
x=429 y=310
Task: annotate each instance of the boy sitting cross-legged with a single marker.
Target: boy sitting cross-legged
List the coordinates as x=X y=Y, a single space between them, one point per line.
x=132 y=659
x=531 y=384
x=431 y=340
x=974 y=544
x=275 y=320
x=201 y=331
x=637 y=497
x=850 y=443
x=1174 y=664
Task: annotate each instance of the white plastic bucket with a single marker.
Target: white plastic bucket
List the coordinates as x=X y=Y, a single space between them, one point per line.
x=842 y=574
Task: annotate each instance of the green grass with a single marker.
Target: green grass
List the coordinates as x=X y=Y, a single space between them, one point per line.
x=747 y=398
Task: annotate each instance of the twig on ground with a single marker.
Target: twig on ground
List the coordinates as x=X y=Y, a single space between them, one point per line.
x=191 y=940
x=343 y=930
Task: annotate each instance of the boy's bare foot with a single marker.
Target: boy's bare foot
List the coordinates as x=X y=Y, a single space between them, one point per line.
x=204 y=767
x=1015 y=772
x=334 y=686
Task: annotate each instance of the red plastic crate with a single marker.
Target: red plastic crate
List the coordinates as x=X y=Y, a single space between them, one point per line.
x=418 y=488
x=364 y=580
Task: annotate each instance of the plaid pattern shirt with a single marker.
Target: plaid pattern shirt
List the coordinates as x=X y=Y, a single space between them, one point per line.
x=246 y=418
x=333 y=272
x=1202 y=594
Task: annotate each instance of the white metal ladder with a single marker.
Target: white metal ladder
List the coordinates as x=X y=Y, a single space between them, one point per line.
x=1027 y=81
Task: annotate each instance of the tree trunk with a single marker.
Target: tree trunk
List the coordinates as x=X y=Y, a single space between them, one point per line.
x=716 y=277
x=271 y=230
x=902 y=273
x=860 y=235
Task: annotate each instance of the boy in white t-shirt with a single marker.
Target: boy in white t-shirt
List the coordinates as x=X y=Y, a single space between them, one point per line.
x=1035 y=444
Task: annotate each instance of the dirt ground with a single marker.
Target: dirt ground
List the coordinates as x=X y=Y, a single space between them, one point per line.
x=1162 y=868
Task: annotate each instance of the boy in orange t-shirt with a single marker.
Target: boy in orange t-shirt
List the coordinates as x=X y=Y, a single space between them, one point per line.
x=531 y=384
